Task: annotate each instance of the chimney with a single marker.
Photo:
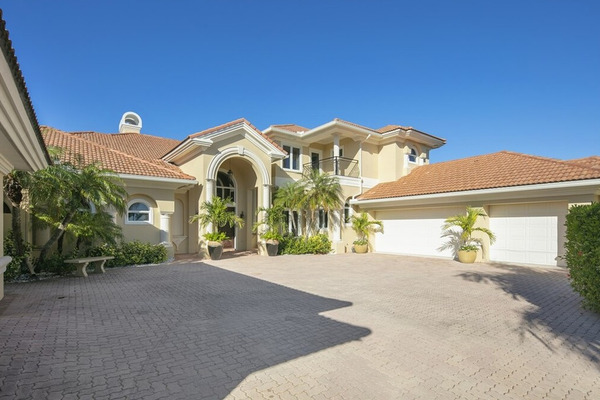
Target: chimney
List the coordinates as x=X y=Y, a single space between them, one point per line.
x=130 y=123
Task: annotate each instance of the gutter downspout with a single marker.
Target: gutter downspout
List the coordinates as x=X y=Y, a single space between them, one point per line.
x=360 y=166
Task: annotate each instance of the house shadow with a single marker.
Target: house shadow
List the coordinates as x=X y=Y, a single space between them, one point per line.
x=182 y=330
x=556 y=307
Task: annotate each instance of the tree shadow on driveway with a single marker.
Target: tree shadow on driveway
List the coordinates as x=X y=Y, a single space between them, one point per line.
x=176 y=331
x=555 y=306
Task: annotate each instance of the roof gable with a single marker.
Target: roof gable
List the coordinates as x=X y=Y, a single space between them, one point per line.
x=206 y=138
x=496 y=170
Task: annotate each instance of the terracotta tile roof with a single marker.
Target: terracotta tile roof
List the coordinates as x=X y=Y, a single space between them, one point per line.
x=388 y=128
x=147 y=147
x=291 y=127
x=502 y=169
x=235 y=122
x=77 y=145
x=593 y=161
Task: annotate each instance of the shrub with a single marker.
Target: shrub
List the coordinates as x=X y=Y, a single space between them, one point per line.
x=583 y=252
x=13 y=269
x=55 y=264
x=131 y=253
x=317 y=244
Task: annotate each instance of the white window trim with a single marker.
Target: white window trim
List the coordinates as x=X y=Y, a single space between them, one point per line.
x=292 y=146
x=410 y=148
x=150 y=213
x=350 y=212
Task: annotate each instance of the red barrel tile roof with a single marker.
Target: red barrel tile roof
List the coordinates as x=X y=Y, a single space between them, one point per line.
x=133 y=154
x=496 y=170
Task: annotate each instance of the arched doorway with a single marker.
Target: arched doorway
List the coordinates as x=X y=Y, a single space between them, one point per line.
x=226 y=189
x=251 y=188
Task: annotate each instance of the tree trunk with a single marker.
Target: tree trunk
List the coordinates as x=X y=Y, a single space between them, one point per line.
x=18 y=239
x=58 y=232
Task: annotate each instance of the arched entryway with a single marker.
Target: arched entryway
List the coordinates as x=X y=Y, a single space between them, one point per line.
x=240 y=175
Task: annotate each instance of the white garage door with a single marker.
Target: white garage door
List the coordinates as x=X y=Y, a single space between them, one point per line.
x=415 y=232
x=526 y=233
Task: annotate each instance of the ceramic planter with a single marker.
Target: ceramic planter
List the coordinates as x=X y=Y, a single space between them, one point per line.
x=215 y=250
x=272 y=247
x=361 y=248
x=467 y=256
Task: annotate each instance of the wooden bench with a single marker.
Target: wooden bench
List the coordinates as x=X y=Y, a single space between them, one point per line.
x=82 y=263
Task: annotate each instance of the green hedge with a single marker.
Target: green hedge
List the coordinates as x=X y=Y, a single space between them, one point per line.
x=13 y=269
x=318 y=244
x=131 y=253
x=583 y=252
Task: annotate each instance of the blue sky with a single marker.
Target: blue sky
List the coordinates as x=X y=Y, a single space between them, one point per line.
x=485 y=75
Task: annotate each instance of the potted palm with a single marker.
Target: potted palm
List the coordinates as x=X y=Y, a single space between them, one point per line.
x=461 y=227
x=216 y=214
x=363 y=228
x=274 y=223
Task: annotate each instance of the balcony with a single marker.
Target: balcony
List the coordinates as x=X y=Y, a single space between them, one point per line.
x=334 y=165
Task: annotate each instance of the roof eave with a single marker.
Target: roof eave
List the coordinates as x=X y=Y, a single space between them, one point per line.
x=582 y=186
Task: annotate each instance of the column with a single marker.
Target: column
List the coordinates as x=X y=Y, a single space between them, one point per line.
x=165 y=234
x=210 y=192
x=336 y=154
x=266 y=196
x=337 y=225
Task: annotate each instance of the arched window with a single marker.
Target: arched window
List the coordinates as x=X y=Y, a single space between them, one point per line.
x=225 y=186
x=139 y=212
x=412 y=156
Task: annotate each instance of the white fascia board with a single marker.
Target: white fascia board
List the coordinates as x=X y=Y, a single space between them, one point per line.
x=187 y=146
x=517 y=192
x=414 y=136
x=146 y=178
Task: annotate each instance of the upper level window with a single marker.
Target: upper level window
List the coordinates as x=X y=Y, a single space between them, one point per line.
x=412 y=156
x=225 y=186
x=139 y=212
x=293 y=160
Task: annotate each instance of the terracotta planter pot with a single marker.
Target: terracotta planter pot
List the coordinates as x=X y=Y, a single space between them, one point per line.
x=272 y=247
x=215 y=250
x=467 y=256
x=361 y=248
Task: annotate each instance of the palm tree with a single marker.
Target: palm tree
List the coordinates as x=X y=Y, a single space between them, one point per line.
x=60 y=191
x=466 y=224
x=216 y=214
x=364 y=227
x=291 y=197
x=273 y=221
x=322 y=192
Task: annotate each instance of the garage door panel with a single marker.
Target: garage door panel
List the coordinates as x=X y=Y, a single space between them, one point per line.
x=415 y=232
x=526 y=233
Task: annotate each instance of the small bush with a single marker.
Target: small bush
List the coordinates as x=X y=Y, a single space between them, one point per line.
x=583 y=252
x=55 y=264
x=131 y=253
x=13 y=269
x=317 y=244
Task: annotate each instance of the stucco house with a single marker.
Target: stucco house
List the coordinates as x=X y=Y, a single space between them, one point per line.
x=385 y=171
x=21 y=145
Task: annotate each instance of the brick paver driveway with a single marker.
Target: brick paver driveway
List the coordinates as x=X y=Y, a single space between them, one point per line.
x=337 y=327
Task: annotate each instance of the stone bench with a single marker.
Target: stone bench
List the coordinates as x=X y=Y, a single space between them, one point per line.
x=82 y=263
